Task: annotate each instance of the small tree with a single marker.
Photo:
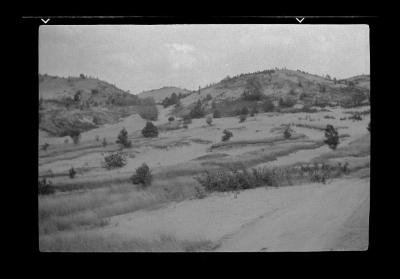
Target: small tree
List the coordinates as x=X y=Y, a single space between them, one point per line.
x=197 y=111
x=331 y=137
x=142 y=176
x=75 y=136
x=287 y=133
x=45 y=187
x=150 y=131
x=242 y=118
x=253 y=111
x=244 y=111
x=171 y=118
x=123 y=139
x=227 y=135
x=72 y=172
x=97 y=138
x=209 y=120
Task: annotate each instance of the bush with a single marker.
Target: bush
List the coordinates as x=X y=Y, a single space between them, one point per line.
x=217 y=114
x=199 y=192
x=45 y=188
x=142 y=176
x=253 y=111
x=242 y=118
x=287 y=133
x=75 y=136
x=244 y=111
x=331 y=137
x=253 y=90
x=187 y=120
x=150 y=131
x=72 y=172
x=97 y=138
x=114 y=160
x=227 y=135
x=369 y=127
x=123 y=139
x=148 y=112
x=171 y=118
x=209 y=120
x=45 y=146
x=287 y=102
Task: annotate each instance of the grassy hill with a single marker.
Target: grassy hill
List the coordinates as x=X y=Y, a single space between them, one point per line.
x=82 y=103
x=303 y=88
x=160 y=94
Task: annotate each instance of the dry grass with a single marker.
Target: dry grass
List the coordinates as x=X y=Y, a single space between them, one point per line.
x=95 y=242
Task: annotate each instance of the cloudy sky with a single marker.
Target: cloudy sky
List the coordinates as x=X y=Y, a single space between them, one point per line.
x=138 y=58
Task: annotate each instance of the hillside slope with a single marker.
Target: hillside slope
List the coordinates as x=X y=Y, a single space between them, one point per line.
x=160 y=94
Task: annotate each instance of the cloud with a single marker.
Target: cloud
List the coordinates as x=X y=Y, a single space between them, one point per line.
x=181 y=56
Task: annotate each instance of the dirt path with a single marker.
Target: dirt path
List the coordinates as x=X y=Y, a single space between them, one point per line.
x=334 y=217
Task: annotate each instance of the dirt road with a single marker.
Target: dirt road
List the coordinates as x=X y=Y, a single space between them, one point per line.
x=333 y=218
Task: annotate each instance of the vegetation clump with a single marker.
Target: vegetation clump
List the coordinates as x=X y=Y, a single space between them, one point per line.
x=209 y=120
x=197 y=111
x=242 y=118
x=287 y=133
x=142 y=175
x=123 y=139
x=216 y=114
x=114 y=160
x=171 y=118
x=226 y=135
x=150 y=131
x=331 y=137
x=72 y=172
x=45 y=187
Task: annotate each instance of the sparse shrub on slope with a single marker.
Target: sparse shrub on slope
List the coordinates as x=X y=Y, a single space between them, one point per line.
x=123 y=139
x=114 y=160
x=331 y=137
x=75 y=136
x=104 y=142
x=72 y=172
x=253 y=90
x=287 y=133
x=242 y=118
x=142 y=176
x=253 y=111
x=150 y=131
x=45 y=146
x=227 y=135
x=287 y=102
x=171 y=118
x=148 y=112
x=45 y=187
x=244 y=111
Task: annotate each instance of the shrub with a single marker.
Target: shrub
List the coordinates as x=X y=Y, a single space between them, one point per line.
x=171 y=118
x=75 y=136
x=45 y=187
x=71 y=172
x=199 y=192
x=253 y=111
x=185 y=126
x=187 y=120
x=148 y=112
x=287 y=133
x=369 y=127
x=114 y=160
x=142 y=176
x=66 y=141
x=227 y=135
x=217 y=114
x=45 y=146
x=331 y=137
x=209 y=120
x=242 y=118
x=150 y=131
x=97 y=138
x=123 y=139
x=287 y=102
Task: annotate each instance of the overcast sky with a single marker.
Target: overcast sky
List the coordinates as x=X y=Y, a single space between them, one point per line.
x=138 y=58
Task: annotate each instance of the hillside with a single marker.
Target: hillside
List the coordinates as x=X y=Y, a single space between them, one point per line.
x=301 y=87
x=82 y=103
x=160 y=94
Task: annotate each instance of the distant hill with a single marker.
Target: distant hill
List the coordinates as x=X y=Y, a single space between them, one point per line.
x=304 y=88
x=160 y=94
x=83 y=103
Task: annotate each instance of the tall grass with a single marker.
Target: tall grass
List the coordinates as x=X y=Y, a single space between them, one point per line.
x=95 y=242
